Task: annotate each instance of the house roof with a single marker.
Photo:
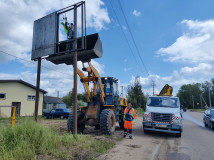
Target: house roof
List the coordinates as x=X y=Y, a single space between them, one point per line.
x=52 y=100
x=23 y=82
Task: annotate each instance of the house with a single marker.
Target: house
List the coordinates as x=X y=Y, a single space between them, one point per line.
x=20 y=94
x=52 y=102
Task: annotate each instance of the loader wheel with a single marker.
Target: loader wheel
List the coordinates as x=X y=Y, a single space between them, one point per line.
x=80 y=125
x=121 y=123
x=107 y=121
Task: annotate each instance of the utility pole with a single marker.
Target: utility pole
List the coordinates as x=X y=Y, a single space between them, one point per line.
x=37 y=88
x=58 y=94
x=75 y=72
x=122 y=90
x=153 y=86
x=193 y=102
x=210 y=98
x=201 y=101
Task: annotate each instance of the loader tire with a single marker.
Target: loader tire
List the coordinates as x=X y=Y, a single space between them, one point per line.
x=107 y=122
x=121 y=123
x=80 y=124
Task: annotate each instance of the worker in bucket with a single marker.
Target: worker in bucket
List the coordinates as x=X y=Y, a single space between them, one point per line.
x=129 y=116
x=69 y=30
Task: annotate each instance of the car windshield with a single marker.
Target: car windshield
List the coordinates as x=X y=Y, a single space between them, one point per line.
x=66 y=110
x=163 y=102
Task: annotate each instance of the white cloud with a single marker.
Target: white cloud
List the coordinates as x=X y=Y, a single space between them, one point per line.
x=195 y=45
x=176 y=80
x=202 y=68
x=53 y=77
x=136 y=13
x=124 y=28
x=127 y=69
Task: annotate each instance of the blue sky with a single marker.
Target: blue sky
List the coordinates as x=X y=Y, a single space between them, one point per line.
x=175 y=39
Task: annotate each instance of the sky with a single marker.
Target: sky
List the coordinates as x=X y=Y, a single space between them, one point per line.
x=173 y=42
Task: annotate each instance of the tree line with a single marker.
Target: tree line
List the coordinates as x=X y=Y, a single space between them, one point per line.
x=197 y=95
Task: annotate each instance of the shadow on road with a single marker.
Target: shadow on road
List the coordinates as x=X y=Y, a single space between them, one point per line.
x=138 y=131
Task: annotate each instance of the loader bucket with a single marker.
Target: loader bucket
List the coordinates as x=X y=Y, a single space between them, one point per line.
x=93 y=50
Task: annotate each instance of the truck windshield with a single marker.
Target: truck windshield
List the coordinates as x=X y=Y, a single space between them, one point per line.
x=163 y=102
x=212 y=113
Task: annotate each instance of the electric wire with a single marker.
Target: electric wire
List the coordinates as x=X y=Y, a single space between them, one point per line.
x=31 y=62
x=133 y=37
x=125 y=35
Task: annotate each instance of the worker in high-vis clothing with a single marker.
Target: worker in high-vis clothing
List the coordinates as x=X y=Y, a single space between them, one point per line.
x=69 y=30
x=129 y=116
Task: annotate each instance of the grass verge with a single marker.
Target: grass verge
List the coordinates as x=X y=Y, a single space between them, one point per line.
x=31 y=140
x=139 y=111
x=197 y=110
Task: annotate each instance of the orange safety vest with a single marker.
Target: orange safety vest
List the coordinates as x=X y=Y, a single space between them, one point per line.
x=129 y=114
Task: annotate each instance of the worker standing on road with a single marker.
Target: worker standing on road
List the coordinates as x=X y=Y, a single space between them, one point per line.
x=129 y=116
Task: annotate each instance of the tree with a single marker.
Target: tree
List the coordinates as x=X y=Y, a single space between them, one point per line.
x=69 y=99
x=136 y=95
x=206 y=88
x=189 y=94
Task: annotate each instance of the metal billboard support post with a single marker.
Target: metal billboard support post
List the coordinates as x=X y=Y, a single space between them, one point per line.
x=75 y=72
x=37 y=88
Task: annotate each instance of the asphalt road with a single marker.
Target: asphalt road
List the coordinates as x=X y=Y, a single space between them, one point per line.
x=196 y=143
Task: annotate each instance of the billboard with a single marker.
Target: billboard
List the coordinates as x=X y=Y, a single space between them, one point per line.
x=44 y=36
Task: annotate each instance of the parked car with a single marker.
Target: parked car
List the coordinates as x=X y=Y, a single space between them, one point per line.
x=57 y=113
x=209 y=118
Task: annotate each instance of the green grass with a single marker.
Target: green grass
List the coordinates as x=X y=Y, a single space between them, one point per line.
x=139 y=111
x=31 y=140
x=197 y=110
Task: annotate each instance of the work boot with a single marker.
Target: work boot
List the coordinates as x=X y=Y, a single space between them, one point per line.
x=125 y=134
x=130 y=137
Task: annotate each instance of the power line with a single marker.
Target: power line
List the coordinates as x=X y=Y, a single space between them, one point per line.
x=132 y=37
x=30 y=62
x=125 y=36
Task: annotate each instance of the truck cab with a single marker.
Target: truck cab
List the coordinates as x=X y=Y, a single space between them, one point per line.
x=163 y=114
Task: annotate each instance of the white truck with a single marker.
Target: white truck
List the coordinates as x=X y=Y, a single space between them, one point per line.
x=163 y=114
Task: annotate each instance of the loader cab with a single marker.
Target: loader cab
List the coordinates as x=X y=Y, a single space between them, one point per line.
x=110 y=89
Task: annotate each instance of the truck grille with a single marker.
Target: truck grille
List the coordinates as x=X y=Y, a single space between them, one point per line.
x=161 y=117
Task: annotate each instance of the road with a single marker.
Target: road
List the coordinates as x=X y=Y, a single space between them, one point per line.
x=196 y=143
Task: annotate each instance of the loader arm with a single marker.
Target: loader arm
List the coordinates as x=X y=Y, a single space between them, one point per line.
x=93 y=76
x=97 y=75
x=82 y=76
x=166 y=91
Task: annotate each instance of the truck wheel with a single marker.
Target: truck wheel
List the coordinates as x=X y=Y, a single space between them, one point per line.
x=178 y=134
x=107 y=121
x=62 y=117
x=145 y=131
x=80 y=124
x=211 y=125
